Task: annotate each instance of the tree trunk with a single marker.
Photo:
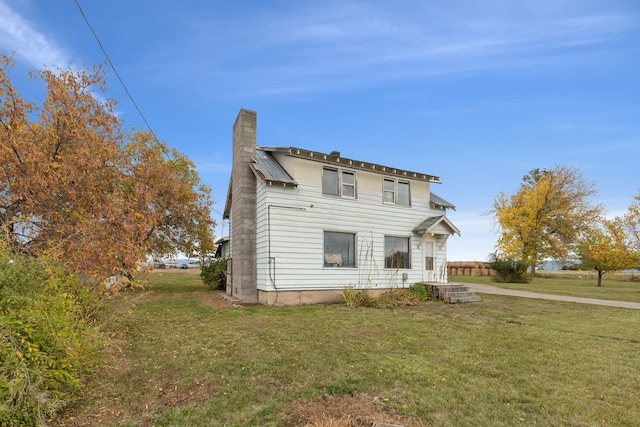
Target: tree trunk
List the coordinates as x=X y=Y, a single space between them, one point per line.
x=600 y=274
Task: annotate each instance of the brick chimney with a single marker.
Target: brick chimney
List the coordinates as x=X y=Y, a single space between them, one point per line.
x=243 y=208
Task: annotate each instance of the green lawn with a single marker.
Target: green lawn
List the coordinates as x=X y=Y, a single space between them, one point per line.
x=180 y=359
x=579 y=287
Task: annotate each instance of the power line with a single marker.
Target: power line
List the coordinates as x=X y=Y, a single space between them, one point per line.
x=135 y=104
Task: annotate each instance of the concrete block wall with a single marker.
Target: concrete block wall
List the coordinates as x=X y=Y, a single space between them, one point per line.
x=243 y=208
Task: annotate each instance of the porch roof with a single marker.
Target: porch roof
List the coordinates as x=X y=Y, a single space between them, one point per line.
x=435 y=225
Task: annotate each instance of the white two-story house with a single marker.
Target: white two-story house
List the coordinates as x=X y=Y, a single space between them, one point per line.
x=304 y=225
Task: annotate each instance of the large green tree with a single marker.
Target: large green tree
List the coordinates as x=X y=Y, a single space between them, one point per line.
x=78 y=186
x=544 y=217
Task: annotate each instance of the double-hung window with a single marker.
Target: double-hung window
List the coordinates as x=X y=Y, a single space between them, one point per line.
x=339 y=249
x=396 y=252
x=338 y=182
x=396 y=191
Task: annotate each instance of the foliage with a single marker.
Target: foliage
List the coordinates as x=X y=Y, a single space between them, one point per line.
x=422 y=291
x=400 y=297
x=603 y=249
x=213 y=273
x=508 y=270
x=544 y=217
x=75 y=186
x=45 y=338
x=357 y=297
x=630 y=224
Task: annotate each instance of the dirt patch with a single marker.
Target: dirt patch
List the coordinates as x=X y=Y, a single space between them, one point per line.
x=344 y=411
x=214 y=300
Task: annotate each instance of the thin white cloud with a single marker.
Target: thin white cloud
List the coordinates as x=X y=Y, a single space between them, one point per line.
x=305 y=47
x=22 y=37
x=324 y=47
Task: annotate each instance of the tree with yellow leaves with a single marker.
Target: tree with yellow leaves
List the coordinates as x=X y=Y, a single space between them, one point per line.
x=603 y=249
x=75 y=186
x=630 y=224
x=545 y=216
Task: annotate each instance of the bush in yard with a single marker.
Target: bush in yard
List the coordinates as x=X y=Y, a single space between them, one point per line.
x=508 y=270
x=422 y=291
x=213 y=273
x=357 y=297
x=45 y=338
x=400 y=297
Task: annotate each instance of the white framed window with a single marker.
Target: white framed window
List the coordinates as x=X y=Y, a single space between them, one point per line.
x=389 y=190
x=339 y=249
x=397 y=252
x=396 y=191
x=338 y=182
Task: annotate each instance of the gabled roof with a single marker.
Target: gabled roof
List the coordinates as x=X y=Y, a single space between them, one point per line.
x=434 y=224
x=266 y=168
x=438 y=202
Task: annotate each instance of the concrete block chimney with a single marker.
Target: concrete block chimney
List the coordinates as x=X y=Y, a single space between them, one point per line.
x=243 y=208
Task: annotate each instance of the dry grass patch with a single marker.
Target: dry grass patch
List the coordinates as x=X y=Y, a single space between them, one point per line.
x=344 y=411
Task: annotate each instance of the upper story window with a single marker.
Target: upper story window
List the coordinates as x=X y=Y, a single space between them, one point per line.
x=396 y=191
x=338 y=182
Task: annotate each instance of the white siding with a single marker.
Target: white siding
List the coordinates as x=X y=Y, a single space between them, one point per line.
x=291 y=223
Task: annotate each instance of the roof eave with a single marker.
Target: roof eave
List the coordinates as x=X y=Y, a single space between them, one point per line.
x=338 y=160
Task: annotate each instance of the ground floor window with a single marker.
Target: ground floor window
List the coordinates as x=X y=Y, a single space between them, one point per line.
x=339 y=249
x=396 y=252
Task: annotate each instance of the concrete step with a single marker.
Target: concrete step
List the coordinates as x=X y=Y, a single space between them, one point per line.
x=452 y=288
x=455 y=293
x=453 y=299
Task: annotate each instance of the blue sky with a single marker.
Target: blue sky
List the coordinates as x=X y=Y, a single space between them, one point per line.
x=478 y=92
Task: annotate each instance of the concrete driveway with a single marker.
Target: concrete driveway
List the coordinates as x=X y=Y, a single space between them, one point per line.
x=488 y=289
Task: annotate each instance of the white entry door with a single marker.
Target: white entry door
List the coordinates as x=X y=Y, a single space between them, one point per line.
x=429 y=260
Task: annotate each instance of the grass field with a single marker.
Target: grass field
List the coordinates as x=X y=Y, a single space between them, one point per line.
x=182 y=356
